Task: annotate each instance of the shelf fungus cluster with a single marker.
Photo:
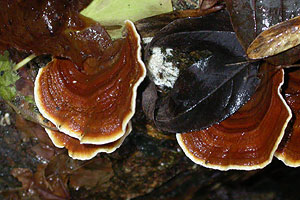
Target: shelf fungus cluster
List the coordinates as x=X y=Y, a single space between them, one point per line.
x=227 y=113
x=91 y=110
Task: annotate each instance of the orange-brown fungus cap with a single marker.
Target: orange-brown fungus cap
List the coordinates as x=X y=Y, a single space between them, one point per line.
x=248 y=139
x=93 y=107
x=84 y=151
x=289 y=149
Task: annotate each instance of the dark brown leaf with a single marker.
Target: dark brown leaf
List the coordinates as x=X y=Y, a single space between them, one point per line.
x=51 y=27
x=149 y=100
x=208 y=91
x=275 y=40
x=37 y=185
x=218 y=21
x=96 y=173
x=150 y=26
x=249 y=18
x=24 y=176
x=206 y=4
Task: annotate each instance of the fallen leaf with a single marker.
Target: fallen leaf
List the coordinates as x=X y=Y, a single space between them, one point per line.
x=150 y=26
x=36 y=186
x=250 y=18
x=113 y=13
x=24 y=176
x=149 y=100
x=276 y=39
x=219 y=21
x=51 y=27
x=96 y=173
x=206 y=4
x=207 y=91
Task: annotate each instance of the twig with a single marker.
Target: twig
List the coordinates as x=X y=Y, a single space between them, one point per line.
x=241 y=63
x=24 y=62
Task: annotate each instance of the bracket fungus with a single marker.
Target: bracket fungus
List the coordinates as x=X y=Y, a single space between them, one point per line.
x=94 y=108
x=76 y=150
x=289 y=149
x=88 y=90
x=248 y=139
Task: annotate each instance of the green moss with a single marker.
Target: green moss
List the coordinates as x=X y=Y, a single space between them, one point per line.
x=8 y=78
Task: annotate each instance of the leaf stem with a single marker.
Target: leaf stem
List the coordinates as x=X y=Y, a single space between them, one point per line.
x=242 y=63
x=24 y=62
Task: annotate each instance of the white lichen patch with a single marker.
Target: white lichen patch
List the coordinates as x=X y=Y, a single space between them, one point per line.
x=5 y=120
x=163 y=73
x=147 y=40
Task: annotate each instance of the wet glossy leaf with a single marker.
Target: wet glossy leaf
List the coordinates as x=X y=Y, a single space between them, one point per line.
x=38 y=186
x=208 y=91
x=219 y=21
x=51 y=27
x=276 y=39
x=150 y=26
x=206 y=4
x=149 y=100
x=97 y=173
x=249 y=18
